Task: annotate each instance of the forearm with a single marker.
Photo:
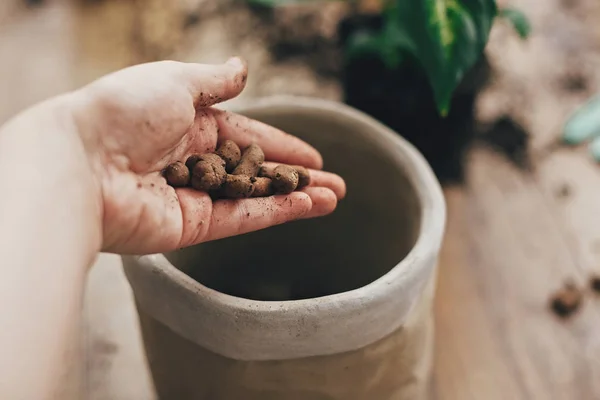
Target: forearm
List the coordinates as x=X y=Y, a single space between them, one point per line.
x=48 y=237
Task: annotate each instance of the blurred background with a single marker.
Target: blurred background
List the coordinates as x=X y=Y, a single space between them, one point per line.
x=522 y=206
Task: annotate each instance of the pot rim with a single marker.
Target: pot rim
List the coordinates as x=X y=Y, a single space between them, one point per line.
x=407 y=273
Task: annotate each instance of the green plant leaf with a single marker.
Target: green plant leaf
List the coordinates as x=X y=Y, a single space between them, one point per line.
x=362 y=43
x=275 y=3
x=446 y=36
x=595 y=149
x=518 y=19
x=265 y=3
x=584 y=123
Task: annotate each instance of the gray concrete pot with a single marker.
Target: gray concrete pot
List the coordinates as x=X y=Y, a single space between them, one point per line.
x=362 y=279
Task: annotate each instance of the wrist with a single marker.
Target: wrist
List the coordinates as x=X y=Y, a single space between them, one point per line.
x=49 y=192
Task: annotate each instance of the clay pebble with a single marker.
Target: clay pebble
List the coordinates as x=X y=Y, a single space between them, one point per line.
x=263 y=187
x=303 y=176
x=177 y=174
x=230 y=173
x=285 y=178
x=230 y=153
x=208 y=175
x=237 y=187
x=251 y=161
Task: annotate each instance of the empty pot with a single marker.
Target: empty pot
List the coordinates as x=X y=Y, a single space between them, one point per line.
x=334 y=308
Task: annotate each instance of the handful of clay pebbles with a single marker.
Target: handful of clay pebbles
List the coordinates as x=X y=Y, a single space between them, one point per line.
x=232 y=174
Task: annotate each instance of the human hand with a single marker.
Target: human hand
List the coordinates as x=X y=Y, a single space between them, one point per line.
x=135 y=122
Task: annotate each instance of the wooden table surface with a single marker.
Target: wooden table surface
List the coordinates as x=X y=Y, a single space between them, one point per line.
x=513 y=236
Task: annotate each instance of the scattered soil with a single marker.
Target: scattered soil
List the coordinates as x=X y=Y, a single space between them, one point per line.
x=564 y=191
x=509 y=138
x=566 y=301
x=595 y=283
x=568 y=4
x=191 y=20
x=305 y=32
x=574 y=82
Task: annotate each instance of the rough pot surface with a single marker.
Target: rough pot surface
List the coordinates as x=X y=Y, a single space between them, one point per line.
x=342 y=305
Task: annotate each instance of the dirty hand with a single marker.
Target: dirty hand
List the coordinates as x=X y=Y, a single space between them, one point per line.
x=81 y=173
x=137 y=121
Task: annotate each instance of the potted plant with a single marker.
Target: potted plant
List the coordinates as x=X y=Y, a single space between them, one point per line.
x=417 y=66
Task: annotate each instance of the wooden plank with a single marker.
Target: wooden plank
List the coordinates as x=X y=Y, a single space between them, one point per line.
x=570 y=182
x=469 y=363
x=116 y=367
x=505 y=253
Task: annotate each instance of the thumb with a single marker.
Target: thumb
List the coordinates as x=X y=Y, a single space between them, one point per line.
x=208 y=84
x=211 y=84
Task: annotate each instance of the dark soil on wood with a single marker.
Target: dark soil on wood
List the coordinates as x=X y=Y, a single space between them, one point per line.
x=302 y=33
x=509 y=138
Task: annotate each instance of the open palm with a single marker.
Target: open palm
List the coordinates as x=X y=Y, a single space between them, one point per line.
x=138 y=120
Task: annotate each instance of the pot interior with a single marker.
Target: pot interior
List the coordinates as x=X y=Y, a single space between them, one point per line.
x=371 y=231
